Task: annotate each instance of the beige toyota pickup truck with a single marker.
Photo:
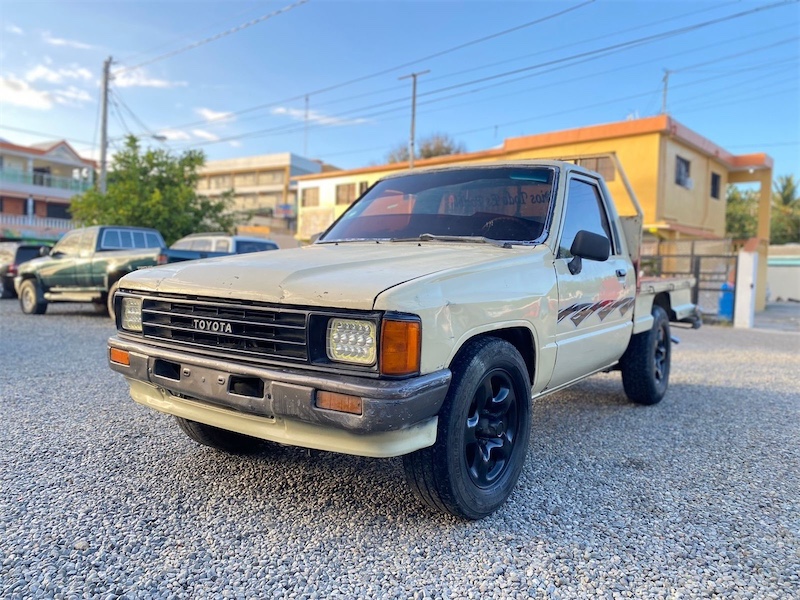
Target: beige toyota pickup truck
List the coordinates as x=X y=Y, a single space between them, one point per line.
x=421 y=324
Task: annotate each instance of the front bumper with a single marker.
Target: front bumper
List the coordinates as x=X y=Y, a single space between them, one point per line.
x=279 y=404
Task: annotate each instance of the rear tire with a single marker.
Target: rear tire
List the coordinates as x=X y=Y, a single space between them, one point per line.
x=31 y=298
x=646 y=363
x=483 y=433
x=221 y=439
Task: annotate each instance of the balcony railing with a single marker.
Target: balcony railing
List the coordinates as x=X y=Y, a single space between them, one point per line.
x=22 y=225
x=44 y=180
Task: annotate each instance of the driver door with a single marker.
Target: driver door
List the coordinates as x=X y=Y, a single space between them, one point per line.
x=595 y=305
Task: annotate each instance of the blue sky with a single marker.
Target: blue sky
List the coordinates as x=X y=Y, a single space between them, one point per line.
x=734 y=80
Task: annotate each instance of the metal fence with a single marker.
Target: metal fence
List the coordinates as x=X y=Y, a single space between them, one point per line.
x=711 y=263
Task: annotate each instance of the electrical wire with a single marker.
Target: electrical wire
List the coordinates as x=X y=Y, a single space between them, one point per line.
x=214 y=38
x=139 y=122
x=358 y=111
x=45 y=135
x=385 y=71
x=185 y=37
x=572 y=59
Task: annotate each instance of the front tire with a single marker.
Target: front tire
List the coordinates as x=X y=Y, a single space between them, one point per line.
x=646 y=363
x=483 y=433
x=221 y=439
x=31 y=298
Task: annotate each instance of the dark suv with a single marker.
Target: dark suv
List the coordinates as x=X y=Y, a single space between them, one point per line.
x=12 y=254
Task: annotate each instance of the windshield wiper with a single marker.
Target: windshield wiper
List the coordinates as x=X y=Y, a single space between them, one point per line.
x=430 y=237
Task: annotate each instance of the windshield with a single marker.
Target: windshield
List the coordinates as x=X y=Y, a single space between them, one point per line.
x=496 y=203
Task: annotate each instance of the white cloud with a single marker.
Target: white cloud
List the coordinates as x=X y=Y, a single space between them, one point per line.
x=20 y=93
x=14 y=29
x=175 y=135
x=315 y=117
x=72 y=96
x=213 y=115
x=236 y=144
x=139 y=78
x=205 y=135
x=54 y=41
x=44 y=73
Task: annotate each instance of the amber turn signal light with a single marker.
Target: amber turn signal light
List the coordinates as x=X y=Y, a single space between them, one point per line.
x=120 y=357
x=339 y=402
x=400 y=347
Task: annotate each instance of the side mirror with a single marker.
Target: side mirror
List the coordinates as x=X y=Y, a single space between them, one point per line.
x=590 y=246
x=44 y=250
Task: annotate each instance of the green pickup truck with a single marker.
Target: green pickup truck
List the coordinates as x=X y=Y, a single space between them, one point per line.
x=85 y=265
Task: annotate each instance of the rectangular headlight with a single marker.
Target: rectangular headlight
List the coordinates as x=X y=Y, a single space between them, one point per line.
x=131 y=309
x=352 y=341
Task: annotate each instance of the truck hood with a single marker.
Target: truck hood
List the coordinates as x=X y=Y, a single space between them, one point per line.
x=347 y=275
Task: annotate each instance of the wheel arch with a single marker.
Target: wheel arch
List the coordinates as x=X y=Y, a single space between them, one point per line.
x=663 y=300
x=114 y=276
x=523 y=338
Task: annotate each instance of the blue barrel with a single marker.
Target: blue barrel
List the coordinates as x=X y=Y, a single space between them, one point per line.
x=725 y=310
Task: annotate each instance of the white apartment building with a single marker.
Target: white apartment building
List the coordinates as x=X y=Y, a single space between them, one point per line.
x=262 y=185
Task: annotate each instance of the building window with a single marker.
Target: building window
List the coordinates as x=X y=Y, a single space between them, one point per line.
x=362 y=187
x=58 y=211
x=270 y=177
x=345 y=193
x=683 y=172
x=244 y=179
x=220 y=182
x=716 y=180
x=602 y=164
x=310 y=197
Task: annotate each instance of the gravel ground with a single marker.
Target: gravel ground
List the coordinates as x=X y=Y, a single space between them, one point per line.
x=695 y=497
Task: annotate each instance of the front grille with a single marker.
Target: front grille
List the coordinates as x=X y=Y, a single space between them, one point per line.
x=256 y=331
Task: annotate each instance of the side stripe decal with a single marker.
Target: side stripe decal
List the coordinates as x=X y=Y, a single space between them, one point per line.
x=578 y=313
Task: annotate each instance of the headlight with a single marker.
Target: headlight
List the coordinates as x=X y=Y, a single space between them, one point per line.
x=131 y=314
x=351 y=341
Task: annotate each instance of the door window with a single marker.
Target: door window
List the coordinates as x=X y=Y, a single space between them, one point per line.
x=585 y=211
x=70 y=244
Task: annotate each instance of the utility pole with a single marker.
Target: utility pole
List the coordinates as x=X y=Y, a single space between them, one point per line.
x=104 y=124
x=413 y=77
x=664 y=94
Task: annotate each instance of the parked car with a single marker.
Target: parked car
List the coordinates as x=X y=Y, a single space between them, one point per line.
x=12 y=255
x=208 y=245
x=85 y=265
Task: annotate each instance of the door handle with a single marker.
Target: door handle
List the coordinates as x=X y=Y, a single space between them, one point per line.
x=621 y=273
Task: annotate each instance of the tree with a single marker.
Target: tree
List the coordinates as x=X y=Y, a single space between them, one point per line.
x=785 y=220
x=155 y=189
x=436 y=144
x=741 y=213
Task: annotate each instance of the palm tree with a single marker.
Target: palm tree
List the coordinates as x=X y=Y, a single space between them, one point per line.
x=785 y=191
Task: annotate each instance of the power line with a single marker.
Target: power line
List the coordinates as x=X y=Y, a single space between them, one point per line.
x=583 y=41
x=387 y=70
x=573 y=59
x=600 y=53
x=558 y=68
x=139 y=122
x=294 y=128
x=214 y=38
x=186 y=36
x=51 y=136
x=615 y=47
